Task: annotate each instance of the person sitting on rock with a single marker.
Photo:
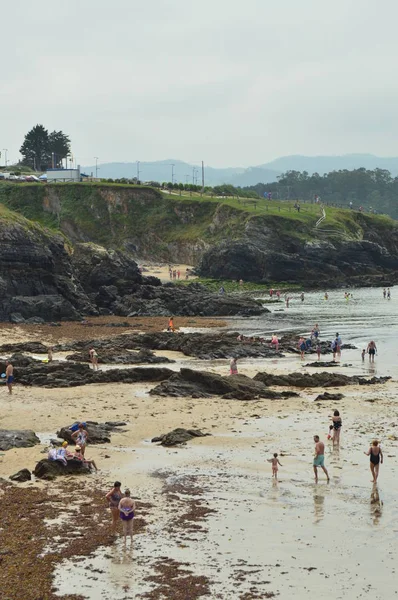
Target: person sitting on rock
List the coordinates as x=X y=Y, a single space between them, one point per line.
x=86 y=462
x=63 y=454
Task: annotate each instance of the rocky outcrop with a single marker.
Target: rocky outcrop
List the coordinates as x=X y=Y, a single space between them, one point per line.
x=17 y=438
x=178 y=436
x=266 y=251
x=303 y=380
x=98 y=433
x=200 y=384
x=120 y=357
x=50 y=469
x=329 y=397
x=55 y=375
x=205 y=346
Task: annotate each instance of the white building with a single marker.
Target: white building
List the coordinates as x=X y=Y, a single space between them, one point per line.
x=63 y=175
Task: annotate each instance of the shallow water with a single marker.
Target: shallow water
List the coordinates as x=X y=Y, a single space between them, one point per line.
x=290 y=537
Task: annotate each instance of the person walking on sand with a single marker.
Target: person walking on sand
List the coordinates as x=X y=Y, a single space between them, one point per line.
x=319 y=459
x=114 y=497
x=126 y=510
x=80 y=437
x=371 y=349
x=170 y=326
x=275 y=462
x=376 y=457
x=336 y=426
x=233 y=366
x=9 y=376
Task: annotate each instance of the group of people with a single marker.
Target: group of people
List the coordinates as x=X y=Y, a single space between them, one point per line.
x=122 y=507
x=375 y=452
x=387 y=293
x=80 y=436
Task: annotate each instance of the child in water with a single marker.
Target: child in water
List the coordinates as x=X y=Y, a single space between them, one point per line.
x=275 y=462
x=363 y=354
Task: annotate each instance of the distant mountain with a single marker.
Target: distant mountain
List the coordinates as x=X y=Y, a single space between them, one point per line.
x=325 y=164
x=183 y=172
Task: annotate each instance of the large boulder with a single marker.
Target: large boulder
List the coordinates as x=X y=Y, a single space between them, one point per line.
x=121 y=357
x=17 y=438
x=304 y=380
x=98 y=433
x=50 y=469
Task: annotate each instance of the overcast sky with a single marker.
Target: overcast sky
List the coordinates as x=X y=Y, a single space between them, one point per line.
x=235 y=83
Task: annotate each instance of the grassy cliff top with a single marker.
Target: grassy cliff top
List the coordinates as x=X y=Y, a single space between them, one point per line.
x=110 y=214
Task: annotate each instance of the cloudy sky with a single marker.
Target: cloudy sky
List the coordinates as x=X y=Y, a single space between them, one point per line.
x=235 y=83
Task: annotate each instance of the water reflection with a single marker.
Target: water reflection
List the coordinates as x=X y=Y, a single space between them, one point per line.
x=319 y=506
x=376 y=505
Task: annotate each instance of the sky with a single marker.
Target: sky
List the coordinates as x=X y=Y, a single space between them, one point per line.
x=233 y=83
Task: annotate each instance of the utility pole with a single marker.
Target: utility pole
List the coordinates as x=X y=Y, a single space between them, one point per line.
x=193 y=175
x=186 y=179
x=203 y=176
x=96 y=166
x=5 y=155
x=172 y=173
x=138 y=171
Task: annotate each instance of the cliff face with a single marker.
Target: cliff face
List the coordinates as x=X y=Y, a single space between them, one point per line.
x=36 y=275
x=224 y=238
x=268 y=254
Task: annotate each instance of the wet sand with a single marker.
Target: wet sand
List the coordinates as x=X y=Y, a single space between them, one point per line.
x=218 y=524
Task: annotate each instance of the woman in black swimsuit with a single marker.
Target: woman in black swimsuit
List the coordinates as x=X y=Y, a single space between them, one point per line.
x=337 y=424
x=114 y=497
x=376 y=457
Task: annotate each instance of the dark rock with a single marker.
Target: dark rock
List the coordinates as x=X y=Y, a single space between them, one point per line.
x=200 y=384
x=21 y=476
x=16 y=318
x=33 y=347
x=21 y=360
x=50 y=469
x=121 y=357
x=98 y=433
x=327 y=364
x=123 y=324
x=178 y=436
x=64 y=374
x=327 y=396
x=35 y=321
x=187 y=301
x=268 y=251
x=13 y=438
x=303 y=380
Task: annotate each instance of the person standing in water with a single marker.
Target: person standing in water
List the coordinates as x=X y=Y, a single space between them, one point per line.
x=275 y=462
x=318 y=350
x=326 y=296
x=376 y=457
x=233 y=366
x=363 y=355
x=319 y=460
x=302 y=347
x=126 y=510
x=384 y=293
x=114 y=497
x=302 y=296
x=9 y=376
x=388 y=294
x=372 y=349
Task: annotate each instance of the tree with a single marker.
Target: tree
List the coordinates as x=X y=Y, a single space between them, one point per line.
x=35 y=148
x=59 y=146
x=40 y=147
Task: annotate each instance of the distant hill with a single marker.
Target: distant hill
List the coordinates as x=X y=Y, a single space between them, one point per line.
x=326 y=164
x=267 y=173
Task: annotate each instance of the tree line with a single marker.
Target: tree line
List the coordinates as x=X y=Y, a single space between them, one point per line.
x=372 y=189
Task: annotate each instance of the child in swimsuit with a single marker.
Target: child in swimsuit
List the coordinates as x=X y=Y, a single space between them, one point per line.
x=275 y=462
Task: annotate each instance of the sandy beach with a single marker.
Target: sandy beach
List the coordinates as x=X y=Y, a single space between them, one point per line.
x=218 y=524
